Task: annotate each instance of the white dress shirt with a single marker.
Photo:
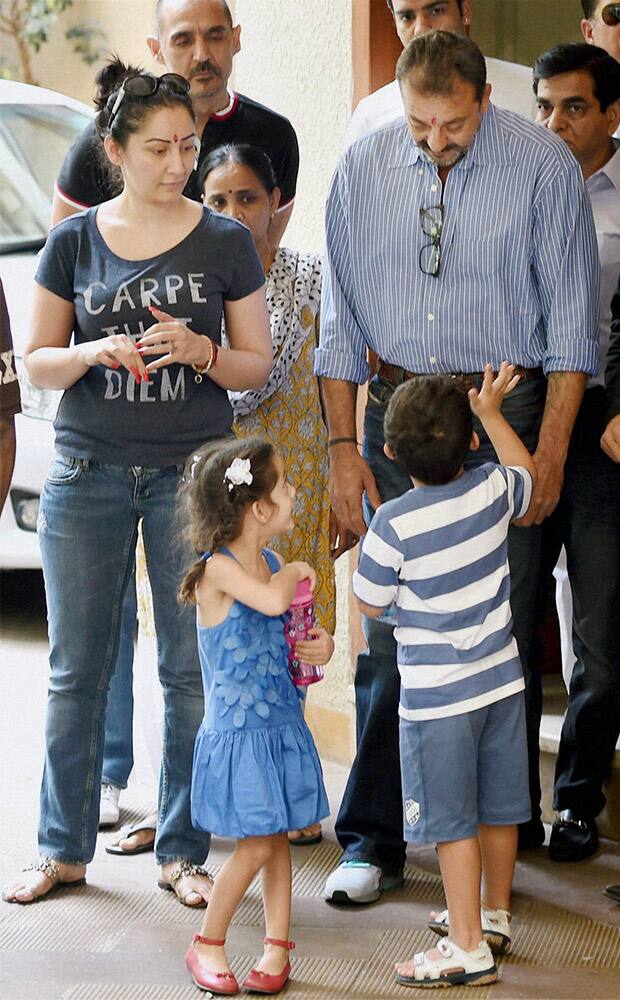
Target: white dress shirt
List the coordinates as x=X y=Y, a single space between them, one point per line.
x=604 y=190
x=511 y=89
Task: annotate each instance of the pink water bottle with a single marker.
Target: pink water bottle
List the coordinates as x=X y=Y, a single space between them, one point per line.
x=300 y=621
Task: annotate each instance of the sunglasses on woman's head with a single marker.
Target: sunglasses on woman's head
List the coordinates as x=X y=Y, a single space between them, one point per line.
x=145 y=85
x=610 y=14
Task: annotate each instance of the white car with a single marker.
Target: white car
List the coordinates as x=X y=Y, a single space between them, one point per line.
x=37 y=127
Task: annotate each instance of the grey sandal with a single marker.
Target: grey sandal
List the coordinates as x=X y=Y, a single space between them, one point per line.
x=128 y=831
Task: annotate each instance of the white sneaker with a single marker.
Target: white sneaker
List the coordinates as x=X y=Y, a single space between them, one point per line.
x=358 y=882
x=495 y=928
x=108 y=806
x=456 y=967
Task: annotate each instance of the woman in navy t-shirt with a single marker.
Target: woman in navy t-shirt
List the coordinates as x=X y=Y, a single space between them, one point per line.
x=126 y=319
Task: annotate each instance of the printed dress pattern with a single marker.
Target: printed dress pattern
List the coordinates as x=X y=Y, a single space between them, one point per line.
x=288 y=413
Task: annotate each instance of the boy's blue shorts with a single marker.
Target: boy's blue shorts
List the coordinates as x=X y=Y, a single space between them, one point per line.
x=465 y=770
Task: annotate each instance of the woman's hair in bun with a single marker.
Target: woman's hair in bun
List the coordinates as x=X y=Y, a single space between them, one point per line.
x=132 y=110
x=110 y=77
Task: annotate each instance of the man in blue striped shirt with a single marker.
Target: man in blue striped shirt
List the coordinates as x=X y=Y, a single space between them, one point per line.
x=462 y=235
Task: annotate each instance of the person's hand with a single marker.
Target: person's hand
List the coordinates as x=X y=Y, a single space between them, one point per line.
x=488 y=400
x=610 y=439
x=340 y=538
x=547 y=488
x=174 y=341
x=349 y=477
x=117 y=351
x=304 y=571
x=318 y=649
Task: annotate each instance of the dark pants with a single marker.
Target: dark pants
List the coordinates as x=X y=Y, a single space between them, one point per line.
x=370 y=822
x=587 y=522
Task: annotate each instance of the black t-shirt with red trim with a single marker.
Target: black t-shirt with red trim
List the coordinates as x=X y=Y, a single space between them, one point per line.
x=85 y=181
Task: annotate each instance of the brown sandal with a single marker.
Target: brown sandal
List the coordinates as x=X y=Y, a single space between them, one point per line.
x=299 y=838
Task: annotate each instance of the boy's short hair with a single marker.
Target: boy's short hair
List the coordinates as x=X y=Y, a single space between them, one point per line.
x=428 y=425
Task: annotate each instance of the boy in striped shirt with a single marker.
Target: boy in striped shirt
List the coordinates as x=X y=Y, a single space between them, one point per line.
x=440 y=552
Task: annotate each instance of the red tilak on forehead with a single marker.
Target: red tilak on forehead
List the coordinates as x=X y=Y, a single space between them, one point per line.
x=175 y=138
x=433 y=121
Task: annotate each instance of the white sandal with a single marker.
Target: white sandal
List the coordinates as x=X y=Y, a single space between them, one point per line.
x=455 y=968
x=495 y=928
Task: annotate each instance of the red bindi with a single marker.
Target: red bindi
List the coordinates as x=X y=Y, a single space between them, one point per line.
x=433 y=121
x=175 y=138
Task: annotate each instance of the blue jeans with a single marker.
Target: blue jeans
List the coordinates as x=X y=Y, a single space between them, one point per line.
x=118 y=746
x=369 y=826
x=88 y=524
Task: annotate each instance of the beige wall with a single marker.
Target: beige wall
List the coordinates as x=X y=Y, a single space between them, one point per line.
x=296 y=59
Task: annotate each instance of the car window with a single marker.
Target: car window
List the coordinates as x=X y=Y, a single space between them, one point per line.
x=33 y=142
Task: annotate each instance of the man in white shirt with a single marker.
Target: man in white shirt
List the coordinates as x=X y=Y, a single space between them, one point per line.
x=601 y=25
x=578 y=98
x=511 y=85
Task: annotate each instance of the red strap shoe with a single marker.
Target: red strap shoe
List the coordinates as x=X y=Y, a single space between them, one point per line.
x=265 y=982
x=217 y=982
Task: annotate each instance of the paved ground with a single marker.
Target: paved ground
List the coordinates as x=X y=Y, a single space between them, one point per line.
x=119 y=938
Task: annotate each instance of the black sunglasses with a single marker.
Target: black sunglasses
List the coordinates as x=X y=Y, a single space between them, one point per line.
x=145 y=85
x=431 y=220
x=610 y=14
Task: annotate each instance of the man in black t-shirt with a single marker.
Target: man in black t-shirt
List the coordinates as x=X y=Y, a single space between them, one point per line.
x=197 y=39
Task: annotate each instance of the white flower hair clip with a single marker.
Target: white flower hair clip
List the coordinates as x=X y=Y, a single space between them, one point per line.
x=237 y=473
x=194 y=466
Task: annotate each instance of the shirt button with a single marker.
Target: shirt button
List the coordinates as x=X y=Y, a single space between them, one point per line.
x=433 y=359
x=420 y=170
x=431 y=317
x=433 y=187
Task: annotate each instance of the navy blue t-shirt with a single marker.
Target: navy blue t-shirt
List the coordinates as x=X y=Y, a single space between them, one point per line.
x=106 y=416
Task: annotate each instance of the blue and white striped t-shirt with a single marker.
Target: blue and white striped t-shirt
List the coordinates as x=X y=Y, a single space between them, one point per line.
x=441 y=552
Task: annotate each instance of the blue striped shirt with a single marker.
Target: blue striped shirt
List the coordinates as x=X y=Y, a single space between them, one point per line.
x=441 y=552
x=519 y=261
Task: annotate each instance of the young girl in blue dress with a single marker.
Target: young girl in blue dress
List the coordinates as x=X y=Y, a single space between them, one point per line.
x=256 y=771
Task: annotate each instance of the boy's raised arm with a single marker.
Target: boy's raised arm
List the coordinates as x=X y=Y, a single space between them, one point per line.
x=486 y=404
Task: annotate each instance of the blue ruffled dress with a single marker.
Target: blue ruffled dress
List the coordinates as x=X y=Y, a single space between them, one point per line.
x=256 y=770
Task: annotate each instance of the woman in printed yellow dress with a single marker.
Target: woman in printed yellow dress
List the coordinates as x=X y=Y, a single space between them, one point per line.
x=239 y=181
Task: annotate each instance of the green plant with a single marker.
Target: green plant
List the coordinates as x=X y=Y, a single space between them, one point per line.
x=29 y=23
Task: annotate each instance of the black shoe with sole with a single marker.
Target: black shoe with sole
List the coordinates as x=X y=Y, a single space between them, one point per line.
x=573 y=837
x=612 y=892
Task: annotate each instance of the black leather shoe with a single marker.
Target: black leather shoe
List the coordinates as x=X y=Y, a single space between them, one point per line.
x=612 y=892
x=531 y=835
x=573 y=837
